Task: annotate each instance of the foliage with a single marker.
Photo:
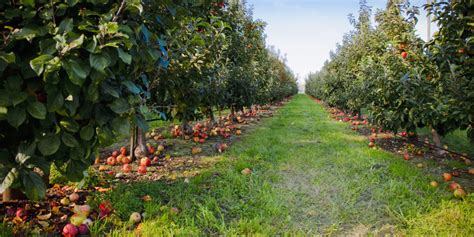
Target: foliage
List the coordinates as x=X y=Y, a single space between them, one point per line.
x=403 y=82
x=77 y=74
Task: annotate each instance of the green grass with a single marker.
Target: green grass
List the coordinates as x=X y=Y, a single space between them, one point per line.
x=311 y=175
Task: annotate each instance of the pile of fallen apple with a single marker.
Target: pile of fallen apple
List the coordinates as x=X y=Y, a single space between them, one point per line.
x=456 y=188
x=410 y=148
x=70 y=215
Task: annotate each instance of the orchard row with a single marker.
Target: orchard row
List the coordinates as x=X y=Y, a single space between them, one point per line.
x=77 y=75
x=403 y=82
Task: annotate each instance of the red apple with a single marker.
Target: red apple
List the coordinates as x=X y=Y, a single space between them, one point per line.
x=447 y=177
x=105 y=206
x=453 y=186
x=142 y=169
x=123 y=150
x=111 y=160
x=70 y=230
x=115 y=154
x=145 y=161
x=119 y=158
x=126 y=160
x=126 y=168
x=404 y=55
x=406 y=156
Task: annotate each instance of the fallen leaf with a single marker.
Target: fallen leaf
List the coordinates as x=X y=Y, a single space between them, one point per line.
x=55 y=210
x=44 y=217
x=44 y=224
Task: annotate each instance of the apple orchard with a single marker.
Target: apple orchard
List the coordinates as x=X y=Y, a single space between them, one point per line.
x=106 y=105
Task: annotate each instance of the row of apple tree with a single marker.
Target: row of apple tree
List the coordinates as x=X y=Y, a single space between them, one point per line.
x=402 y=81
x=76 y=74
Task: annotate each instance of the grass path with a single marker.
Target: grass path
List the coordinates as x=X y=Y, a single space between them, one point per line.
x=311 y=175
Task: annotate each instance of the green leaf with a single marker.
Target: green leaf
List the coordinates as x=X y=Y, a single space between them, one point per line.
x=126 y=57
x=35 y=189
x=70 y=125
x=55 y=102
x=141 y=122
x=29 y=3
x=135 y=5
x=72 y=2
x=37 y=110
x=87 y=132
x=29 y=32
x=48 y=46
x=9 y=179
x=16 y=116
x=131 y=87
x=3 y=112
x=100 y=61
x=120 y=125
x=110 y=90
x=75 y=169
x=37 y=64
x=77 y=42
x=8 y=57
x=49 y=144
x=69 y=140
x=18 y=97
x=76 y=69
x=110 y=27
x=119 y=106
x=66 y=26
x=92 y=45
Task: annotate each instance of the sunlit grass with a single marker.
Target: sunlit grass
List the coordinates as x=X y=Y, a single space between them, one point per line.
x=311 y=175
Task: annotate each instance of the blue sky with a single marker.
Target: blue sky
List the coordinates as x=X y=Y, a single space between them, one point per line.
x=306 y=30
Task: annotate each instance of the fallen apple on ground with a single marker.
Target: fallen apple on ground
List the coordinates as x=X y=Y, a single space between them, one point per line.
x=111 y=161
x=77 y=219
x=70 y=230
x=142 y=169
x=447 y=177
x=74 y=197
x=145 y=161
x=135 y=217
x=459 y=193
x=126 y=168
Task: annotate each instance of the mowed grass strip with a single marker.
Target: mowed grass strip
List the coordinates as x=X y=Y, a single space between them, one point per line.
x=311 y=176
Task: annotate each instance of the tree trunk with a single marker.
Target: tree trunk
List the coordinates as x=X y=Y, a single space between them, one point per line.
x=140 y=150
x=187 y=129
x=211 y=115
x=437 y=141
x=220 y=113
x=132 y=142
